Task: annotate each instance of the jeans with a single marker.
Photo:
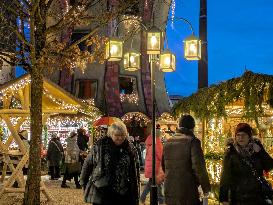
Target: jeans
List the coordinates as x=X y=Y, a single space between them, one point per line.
x=147 y=189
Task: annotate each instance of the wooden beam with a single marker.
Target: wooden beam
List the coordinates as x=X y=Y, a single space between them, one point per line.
x=26 y=96
x=17 y=127
x=14 y=133
x=14 y=111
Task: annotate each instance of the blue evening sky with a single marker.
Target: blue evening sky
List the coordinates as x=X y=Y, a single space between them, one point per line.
x=239 y=36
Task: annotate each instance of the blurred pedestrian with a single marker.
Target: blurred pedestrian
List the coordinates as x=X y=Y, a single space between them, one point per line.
x=72 y=164
x=82 y=141
x=55 y=153
x=244 y=161
x=184 y=166
x=110 y=174
x=148 y=166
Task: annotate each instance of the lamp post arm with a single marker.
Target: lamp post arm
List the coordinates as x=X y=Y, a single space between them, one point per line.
x=183 y=19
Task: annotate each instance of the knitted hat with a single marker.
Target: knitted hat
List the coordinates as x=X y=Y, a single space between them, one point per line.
x=243 y=127
x=187 y=121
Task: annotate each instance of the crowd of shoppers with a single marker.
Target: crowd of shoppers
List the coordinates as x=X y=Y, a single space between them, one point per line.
x=109 y=174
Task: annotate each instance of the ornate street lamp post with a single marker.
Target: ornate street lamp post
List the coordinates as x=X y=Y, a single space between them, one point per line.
x=114 y=50
x=154 y=44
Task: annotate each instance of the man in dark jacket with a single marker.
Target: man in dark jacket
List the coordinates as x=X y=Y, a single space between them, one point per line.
x=55 y=154
x=184 y=166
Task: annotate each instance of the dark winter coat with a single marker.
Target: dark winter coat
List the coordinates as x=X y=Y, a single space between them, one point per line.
x=103 y=178
x=238 y=180
x=185 y=170
x=55 y=152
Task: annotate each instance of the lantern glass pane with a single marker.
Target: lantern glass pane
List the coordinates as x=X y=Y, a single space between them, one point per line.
x=114 y=50
x=173 y=63
x=132 y=61
x=167 y=62
x=126 y=60
x=153 y=42
x=107 y=54
x=193 y=49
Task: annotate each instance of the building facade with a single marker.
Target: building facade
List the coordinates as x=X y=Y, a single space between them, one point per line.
x=114 y=90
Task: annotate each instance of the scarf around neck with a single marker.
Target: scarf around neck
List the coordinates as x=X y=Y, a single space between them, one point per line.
x=247 y=150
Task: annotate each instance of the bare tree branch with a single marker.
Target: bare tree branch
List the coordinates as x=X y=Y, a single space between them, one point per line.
x=14 y=29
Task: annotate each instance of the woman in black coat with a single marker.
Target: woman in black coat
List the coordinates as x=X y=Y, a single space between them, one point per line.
x=110 y=174
x=55 y=154
x=238 y=185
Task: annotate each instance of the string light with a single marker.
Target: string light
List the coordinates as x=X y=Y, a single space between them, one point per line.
x=12 y=89
x=130 y=98
x=131 y=22
x=172 y=13
x=214 y=170
x=137 y=116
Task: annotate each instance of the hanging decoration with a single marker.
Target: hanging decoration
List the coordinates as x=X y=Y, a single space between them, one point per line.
x=254 y=90
x=138 y=116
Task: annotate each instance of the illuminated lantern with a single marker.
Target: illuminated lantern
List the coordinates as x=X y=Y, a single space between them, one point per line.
x=167 y=61
x=131 y=60
x=192 y=48
x=114 y=49
x=154 y=39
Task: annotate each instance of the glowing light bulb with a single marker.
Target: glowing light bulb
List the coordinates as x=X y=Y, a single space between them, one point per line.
x=114 y=49
x=132 y=59
x=167 y=61
x=153 y=40
x=193 y=48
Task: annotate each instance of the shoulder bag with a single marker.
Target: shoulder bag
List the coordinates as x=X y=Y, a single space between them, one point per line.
x=266 y=187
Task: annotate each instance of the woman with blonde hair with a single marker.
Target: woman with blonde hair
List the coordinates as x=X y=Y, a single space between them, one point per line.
x=110 y=174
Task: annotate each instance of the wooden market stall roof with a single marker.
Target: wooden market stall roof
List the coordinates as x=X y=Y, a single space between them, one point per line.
x=252 y=92
x=16 y=101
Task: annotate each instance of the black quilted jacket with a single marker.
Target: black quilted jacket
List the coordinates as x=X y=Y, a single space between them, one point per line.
x=237 y=184
x=100 y=178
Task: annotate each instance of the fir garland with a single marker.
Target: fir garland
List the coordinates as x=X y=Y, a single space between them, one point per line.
x=214 y=156
x=254 y=89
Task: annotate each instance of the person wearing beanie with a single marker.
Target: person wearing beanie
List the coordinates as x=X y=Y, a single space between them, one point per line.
x=148 y=165
x=184 y=166
x=243 y=157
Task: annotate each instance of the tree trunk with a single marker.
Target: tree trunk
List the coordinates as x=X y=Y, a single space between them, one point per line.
x=32 y=192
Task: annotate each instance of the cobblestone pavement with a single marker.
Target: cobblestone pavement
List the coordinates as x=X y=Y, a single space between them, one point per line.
x=61 y=196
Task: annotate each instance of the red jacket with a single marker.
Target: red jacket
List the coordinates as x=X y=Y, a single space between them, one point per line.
x=149 y=156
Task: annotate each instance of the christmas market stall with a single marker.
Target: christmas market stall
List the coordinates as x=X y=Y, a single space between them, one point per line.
x=219 y=108
x=168 y=125
x=57 y=106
